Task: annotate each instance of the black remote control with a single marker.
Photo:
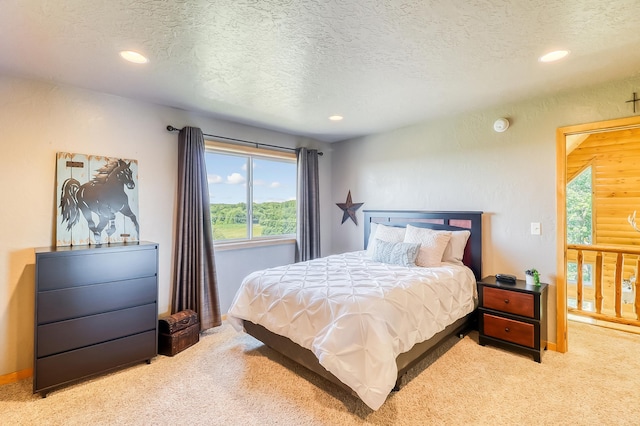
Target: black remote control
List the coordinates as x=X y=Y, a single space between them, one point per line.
x=506 y=278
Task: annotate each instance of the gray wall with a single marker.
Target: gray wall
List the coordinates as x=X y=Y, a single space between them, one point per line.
x=233 y=265
x=453 y=163
x=39 y=119
x=460 y=163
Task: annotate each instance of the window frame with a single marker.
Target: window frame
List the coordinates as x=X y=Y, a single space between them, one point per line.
x=251 y=152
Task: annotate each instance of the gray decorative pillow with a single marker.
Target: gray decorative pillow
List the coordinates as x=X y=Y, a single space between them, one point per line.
x=396 y=253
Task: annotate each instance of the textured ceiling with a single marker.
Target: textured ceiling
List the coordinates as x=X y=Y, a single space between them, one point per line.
x=289 y=64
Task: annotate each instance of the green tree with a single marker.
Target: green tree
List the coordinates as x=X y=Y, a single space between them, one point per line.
x=579 y=209
x=270 y=218
x=579 y=219
x=276 y=218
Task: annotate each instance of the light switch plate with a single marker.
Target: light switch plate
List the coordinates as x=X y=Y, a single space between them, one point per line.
x=535 y=228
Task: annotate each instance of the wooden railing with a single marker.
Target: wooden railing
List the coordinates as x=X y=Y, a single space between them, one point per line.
x=626 y=259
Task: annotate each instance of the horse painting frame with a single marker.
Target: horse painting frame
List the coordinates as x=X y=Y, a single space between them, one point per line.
x=97 y=200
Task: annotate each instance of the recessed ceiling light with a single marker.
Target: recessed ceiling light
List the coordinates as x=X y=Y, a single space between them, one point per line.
x=553 y=56
x=135 y=57
x=336 y=117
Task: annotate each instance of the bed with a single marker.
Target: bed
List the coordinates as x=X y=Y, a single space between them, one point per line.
x=359 y=319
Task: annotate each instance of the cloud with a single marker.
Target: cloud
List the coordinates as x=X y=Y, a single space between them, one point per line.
x=213 y=179
x=235 y=179
x=274 y=185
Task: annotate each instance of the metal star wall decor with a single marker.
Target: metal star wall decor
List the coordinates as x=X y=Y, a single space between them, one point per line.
x=349 y=208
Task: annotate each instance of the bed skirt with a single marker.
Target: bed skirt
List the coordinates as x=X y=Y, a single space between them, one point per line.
x=404 y=361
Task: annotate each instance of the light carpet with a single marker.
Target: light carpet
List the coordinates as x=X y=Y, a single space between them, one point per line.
x=229 y=378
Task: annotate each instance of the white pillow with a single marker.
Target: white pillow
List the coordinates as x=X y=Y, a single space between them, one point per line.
x=432 y=244
x=455 y=249
x=390 y=234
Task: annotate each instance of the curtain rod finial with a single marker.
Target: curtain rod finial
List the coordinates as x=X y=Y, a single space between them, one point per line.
x=171 y=128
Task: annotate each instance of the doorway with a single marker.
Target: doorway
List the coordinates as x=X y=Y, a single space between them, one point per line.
x=566 y=138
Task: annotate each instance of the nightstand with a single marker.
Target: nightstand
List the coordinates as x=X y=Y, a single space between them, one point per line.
x=513 y=316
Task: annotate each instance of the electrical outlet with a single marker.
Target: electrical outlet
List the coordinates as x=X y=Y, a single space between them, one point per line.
x=535 y=228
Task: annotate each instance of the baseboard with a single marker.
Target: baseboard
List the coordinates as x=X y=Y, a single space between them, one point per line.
x=14 y=377
x=551 y=346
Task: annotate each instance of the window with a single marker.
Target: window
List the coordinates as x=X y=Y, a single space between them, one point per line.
x=252 y=192
x=579 y=209
x=587 y=273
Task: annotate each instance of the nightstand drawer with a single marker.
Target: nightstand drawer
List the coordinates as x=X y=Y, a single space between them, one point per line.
x=521 y=333
x=512 y=302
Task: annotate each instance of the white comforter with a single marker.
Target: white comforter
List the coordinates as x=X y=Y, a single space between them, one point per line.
x=354 y=314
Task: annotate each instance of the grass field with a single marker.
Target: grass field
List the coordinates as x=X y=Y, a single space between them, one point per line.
x=234 y=231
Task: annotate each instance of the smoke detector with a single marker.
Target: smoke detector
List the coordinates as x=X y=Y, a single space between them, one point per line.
x=500 y=125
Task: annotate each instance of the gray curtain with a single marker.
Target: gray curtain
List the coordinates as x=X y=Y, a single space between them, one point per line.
x=194 y=284
x=308 y=234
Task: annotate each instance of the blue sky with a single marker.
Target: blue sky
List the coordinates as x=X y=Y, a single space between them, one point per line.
x=272 y=180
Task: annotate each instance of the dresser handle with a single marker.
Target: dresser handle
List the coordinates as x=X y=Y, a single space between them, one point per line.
x=506 y=329
x=506 y=301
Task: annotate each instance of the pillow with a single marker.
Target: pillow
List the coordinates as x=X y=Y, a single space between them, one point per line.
x=432 y=244
x=454 y=252
x=396 y=253
x=390 y=234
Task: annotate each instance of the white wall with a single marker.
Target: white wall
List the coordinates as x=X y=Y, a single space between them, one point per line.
x=37 y=120
x=460 y=163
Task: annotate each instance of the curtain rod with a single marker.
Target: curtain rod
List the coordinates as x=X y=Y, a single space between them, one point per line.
x=257 y=144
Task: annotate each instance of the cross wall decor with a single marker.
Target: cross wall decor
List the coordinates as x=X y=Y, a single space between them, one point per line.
x=633 y=101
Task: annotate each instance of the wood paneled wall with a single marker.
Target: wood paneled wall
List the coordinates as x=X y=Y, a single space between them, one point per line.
x=615 y=160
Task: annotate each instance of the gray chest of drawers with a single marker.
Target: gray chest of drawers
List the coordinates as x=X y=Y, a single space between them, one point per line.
x=96 y=309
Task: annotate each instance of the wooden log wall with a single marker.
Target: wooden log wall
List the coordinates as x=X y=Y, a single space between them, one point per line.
x=615 y=159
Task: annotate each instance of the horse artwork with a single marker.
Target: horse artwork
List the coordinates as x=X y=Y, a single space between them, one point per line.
x=97 y=200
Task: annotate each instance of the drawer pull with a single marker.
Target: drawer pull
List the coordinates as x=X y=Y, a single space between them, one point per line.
x=506 y=301
x=506 y=329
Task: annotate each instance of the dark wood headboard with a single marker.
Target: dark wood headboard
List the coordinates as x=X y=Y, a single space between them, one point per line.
x=448 y=221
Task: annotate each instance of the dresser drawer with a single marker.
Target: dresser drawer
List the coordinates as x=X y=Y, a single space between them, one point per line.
x=512 y=302
x=74 y=302
x=72 y=334
x=521 y=333
x=73 y=269
x=57 y=369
